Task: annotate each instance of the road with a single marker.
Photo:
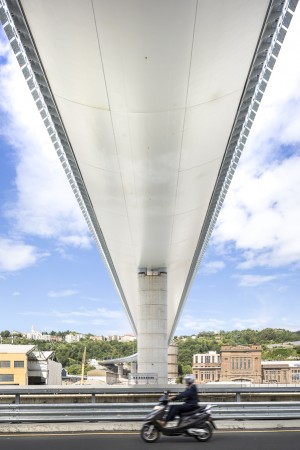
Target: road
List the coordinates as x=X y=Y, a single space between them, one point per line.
x=233 y=440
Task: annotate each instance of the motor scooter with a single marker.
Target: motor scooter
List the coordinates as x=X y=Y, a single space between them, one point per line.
x=197 y=423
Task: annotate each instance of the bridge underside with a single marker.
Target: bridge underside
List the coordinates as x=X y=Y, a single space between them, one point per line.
x=149 y=104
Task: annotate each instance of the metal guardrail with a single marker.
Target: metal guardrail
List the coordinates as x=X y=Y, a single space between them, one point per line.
x=127 y=412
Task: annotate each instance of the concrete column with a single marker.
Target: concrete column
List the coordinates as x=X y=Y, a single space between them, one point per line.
x=133 y=367
x=120 y=370
x=152 y=326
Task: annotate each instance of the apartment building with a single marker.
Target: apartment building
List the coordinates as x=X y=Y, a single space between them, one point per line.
x=207 y=367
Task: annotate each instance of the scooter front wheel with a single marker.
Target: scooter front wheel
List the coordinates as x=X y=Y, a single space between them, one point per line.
x=204 y=433
x=149 y=433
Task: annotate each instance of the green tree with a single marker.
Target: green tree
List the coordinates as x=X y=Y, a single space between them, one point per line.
x=5 y=334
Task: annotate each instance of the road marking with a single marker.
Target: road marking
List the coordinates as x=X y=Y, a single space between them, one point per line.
x=83 y=433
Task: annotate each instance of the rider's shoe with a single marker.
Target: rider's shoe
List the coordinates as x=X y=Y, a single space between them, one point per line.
x=162 y=423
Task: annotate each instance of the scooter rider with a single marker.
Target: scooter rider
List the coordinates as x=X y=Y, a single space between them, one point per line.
x=190 y=395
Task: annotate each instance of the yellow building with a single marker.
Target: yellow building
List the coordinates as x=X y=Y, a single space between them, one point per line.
x=14 y=364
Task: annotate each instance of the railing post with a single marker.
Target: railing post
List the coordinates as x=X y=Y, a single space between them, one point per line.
x=238 y=397
x=93 y=398
x=17 y=399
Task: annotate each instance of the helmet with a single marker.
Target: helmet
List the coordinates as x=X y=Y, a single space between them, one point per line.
x=189 y=379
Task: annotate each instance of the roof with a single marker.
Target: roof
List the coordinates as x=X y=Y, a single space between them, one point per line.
x=279 y=363
x=10 y=348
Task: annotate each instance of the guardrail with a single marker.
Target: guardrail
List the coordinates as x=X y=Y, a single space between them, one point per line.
x=204 y=390
x=127 y=412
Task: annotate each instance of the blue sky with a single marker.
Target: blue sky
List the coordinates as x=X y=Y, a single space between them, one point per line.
x=52 y=276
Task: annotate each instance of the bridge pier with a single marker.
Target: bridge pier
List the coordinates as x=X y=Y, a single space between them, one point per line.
x=152 y=330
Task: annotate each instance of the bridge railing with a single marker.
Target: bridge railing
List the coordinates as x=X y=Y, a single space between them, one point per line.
x=127 y=412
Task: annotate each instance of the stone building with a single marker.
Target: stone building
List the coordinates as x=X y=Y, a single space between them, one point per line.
x=284 y=372
x=241 y=363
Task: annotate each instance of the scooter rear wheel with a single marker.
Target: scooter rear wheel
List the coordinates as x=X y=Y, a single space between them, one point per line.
x=205 y=434
x=149 y=433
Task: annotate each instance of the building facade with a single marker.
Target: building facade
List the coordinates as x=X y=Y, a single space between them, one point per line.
x=283 y=372
x=207 y=367
x=22 y=365
x=241 y=363
x=14 y=364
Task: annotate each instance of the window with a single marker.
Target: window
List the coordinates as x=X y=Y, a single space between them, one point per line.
x=18 y=363
x=245 y=363
x=202 y=359
x=207 y=359
x=213 y=376
x=4 y=364
x=249 y=363
x=232 y=363
x=6 y=377
x=212 y=359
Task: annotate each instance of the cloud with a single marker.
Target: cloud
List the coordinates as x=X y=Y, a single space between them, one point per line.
x=196 y=324
x=96 y=314
x=64 y=293
x=16 y=294
x=212 y=267
x=254 y=280
x=43 y=203
x=261 y=212
x=15 y=255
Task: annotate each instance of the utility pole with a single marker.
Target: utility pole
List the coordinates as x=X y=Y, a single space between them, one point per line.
x=83 y=364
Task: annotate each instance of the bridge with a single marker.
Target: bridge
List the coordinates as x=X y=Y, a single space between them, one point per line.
x=148 y=104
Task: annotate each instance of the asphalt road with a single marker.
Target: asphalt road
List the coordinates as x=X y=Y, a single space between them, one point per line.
x=233 y=440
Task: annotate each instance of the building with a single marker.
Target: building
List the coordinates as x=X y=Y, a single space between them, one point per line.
x=206 y=367
x=73 y=337
x=233 y=363
x=241 y=363
x=14 y=364
x=35 y=335
x=42 y=369
x=127 y=338
x=284 y=372
x=23 y=365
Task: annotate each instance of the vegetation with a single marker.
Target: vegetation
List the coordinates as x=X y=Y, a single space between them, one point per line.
x=210 y=341
x=70 y=355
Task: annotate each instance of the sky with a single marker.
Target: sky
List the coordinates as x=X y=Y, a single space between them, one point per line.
x=51 y=274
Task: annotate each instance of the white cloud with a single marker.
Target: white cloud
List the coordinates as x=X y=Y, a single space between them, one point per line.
x=64 y=293
x=262 y=209
x=44 y=204
x=254 y=280
x=76 y=241
x=15 y=255
x=16 y=294
x=197 y=324
x=213 y=267
x=96 y=314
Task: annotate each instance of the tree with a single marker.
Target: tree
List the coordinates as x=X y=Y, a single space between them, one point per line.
x=5 y=334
